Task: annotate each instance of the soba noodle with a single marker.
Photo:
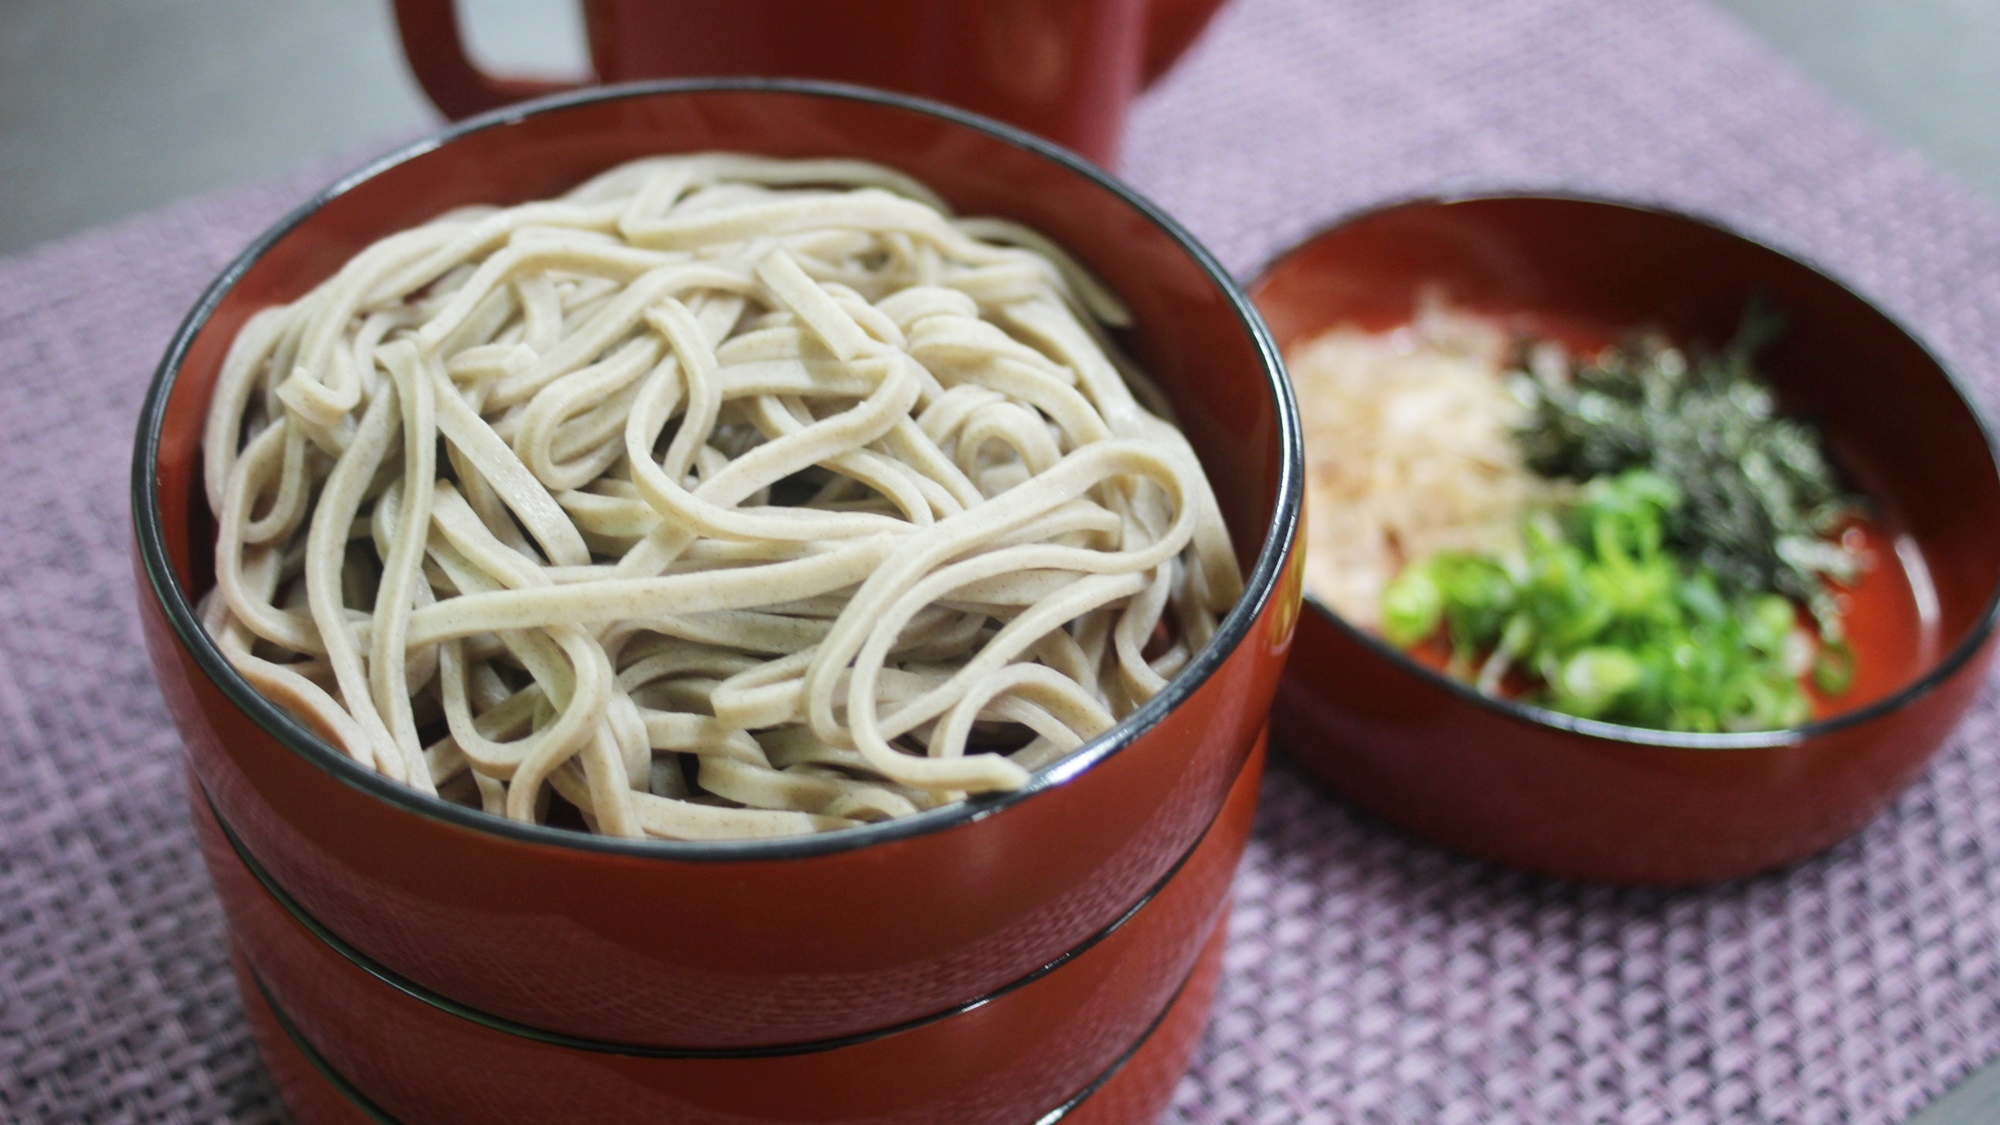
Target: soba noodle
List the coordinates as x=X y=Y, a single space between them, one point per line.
x=722 y=497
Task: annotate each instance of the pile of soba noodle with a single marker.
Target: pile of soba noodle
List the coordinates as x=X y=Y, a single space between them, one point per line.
x=722 y=497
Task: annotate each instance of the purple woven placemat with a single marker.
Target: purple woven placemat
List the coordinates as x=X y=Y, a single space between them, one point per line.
x=1370 y=977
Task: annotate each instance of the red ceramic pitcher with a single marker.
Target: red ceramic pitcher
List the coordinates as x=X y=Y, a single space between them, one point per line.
x=1066 y=69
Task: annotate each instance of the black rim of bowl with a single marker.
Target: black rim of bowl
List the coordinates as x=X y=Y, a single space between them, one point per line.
x=1941 y=670
x=1259 y=586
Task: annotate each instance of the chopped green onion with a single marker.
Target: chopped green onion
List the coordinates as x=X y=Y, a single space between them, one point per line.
x=1833 y=671
x=1590 y=682
x=1412 y=606
x=1613 y=624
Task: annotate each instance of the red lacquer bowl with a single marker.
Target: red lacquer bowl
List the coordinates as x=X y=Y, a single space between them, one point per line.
x=770 y=942
x=1138 y=1088
x=1552 y=793
x=1014 y=1057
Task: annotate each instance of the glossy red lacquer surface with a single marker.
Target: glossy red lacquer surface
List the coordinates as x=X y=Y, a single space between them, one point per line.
x=668 y=948
x=1065 y=69
x=1136 y=1093
x=1009 y=1060
x=1605 y=802
x=1143 y=1086
x=309 y=1095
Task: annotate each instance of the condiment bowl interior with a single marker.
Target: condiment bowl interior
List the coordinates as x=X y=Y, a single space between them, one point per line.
x=1589 y=273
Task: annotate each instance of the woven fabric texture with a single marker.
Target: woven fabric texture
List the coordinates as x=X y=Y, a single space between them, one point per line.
x=1370 y=977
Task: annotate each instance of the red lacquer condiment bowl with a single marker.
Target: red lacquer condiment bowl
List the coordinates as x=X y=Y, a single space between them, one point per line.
x=768 y=943
x=1043 y=1048
x=1567 y=796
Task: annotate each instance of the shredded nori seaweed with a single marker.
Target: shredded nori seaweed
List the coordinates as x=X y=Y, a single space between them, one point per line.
x=1760 y=499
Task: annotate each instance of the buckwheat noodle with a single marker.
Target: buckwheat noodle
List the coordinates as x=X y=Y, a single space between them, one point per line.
x=722 y=497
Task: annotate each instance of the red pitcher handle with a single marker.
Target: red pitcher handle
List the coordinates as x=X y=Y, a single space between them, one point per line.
x=436 y=51
x=1171 y=28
